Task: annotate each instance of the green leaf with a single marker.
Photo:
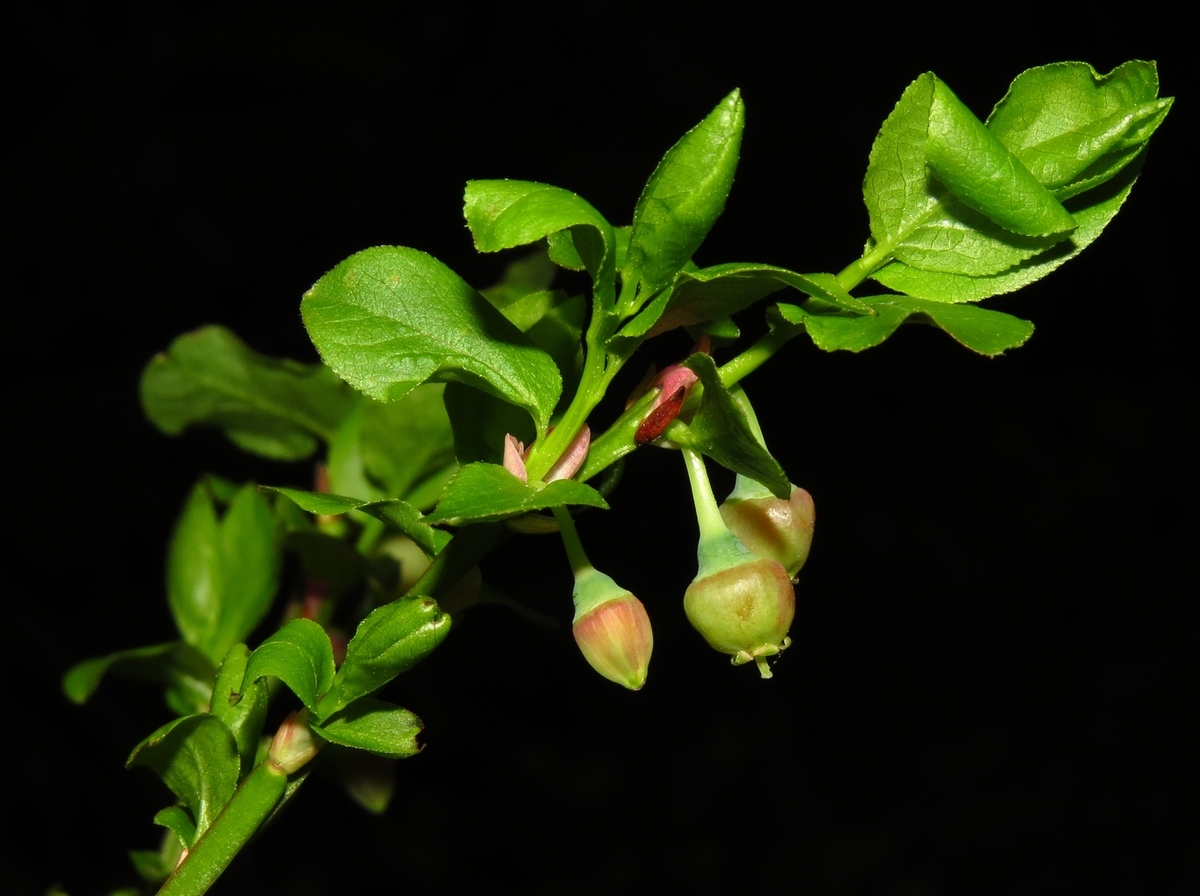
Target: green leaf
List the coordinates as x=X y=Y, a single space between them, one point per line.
x=480 y=424
x=980 y=171
x=684 y=196
x=1092 y=211
x=714 y=292
x=175 y=663
x=529 y=274
x=300 y=656
x=276 y=408
x=487 y=492
x=196 y=757
x=399 y=514
x=1074 y=128
x=390 y=318
x=344 y=463
x=722 y=431
x=503 y=214
x=242 y=709
x=405 y=441
x=375 y=726
x=987 y=332
x=177 y=821
x=944 y=194
x=391 y=640
x=251 y=565
x=222 y=574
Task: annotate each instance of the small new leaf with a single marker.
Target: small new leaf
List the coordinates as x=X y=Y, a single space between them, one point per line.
x=391 y=640
x=684 y=196
x=375 y=726
x=503 y=214
x=300 y=656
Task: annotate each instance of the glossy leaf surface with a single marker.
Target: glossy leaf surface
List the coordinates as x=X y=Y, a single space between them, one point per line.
x=300 y=656
x=685 y=195
x=375 y=726
x=1092 y=211
x=1074 y=128
x=391 y=640
x=390 y=318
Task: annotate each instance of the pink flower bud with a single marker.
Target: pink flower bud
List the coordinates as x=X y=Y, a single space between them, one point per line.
x=774 y=528
x=615 y=638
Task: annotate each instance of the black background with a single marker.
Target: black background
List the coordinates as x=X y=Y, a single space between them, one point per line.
x=991 y=687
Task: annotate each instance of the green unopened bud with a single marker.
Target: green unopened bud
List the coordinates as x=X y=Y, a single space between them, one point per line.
x=744 y=610
x=743 y=604
x=294 y=744
x=769 y=526
x=612 y=629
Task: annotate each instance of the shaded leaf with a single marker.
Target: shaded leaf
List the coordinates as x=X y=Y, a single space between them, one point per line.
x=222 y=574
x=175 y=663
x=399 y=514
x=196 y=757
x=722 y=431
x=177 y=821
x=982 y=330
x=276 y=408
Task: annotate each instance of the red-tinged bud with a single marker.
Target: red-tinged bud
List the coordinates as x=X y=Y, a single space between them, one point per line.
x=612 y=629
x=744 y=610
x=294 y=743
x=674 y=385
x=771 y=527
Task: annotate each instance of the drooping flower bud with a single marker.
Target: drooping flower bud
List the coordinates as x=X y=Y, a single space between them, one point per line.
x=610 y=626
x=769 y=526
x=744 y=610
x=743 y=604
x=614 y=634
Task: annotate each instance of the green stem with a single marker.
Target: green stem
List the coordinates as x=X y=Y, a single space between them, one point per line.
x=707 y=513
x=758 y=354
x=246 y=810
x=580 y=563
